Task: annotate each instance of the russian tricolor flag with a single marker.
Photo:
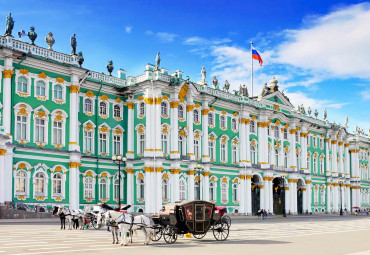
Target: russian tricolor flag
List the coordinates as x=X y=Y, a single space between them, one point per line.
x=256 y=55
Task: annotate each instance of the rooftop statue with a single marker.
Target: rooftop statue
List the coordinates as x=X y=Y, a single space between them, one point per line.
x=110 y=67
x=80 y=59
x=303 y=111
x=157 y=61
x=226 y=86
x=175 y=79
x=32 y=35
x=243 y=91
x=325 y=114
x=215 y=82
x=274 y=85
x=50 y=40
x=346 y=122
x=187 y=79
x=309 y=111
x=356 y=129
x=9 y=25
x=204 y=74
x=265 y=90
x=316 y=113
x=73 y=44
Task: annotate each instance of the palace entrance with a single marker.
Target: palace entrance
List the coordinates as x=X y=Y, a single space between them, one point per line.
x=278 y=195
x=255 y=194
x=300 y=190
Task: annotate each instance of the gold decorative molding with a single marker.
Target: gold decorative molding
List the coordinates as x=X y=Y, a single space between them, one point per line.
x=42 y=75
x=8 y=73
x=89 y=93
x=130 y=105
x=174 y=104
x=148 y=169
x=74 y=165
x=263 y=124
x=191 y=172
x=190 y=108
x=60 y=80
x=129 y=170
x=74 y=89
x=175 y=171
x=205 y=111
x=104 y=97
x=23 y=71
x=2 y=152
x=205 y=174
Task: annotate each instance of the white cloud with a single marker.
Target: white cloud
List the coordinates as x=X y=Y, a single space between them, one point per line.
x=333 y=45
x=165 y=37
x=365 y=94
x=148 y=32
x=128 y=29
x=196 y=40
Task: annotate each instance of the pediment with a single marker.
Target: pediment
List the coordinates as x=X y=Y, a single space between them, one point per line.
x=278 y=98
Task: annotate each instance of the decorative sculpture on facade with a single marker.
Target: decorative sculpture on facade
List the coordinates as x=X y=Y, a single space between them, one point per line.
x=243 y=91
x=346 y=122
x=9 y=25
x=265 y=90
x=175 y=79
x=302 y=110
x=204 y=74
x=157 y=61
x=50 y=40
x=110 y=67
x=73 y=44
x=226 y=86
x=80 y=59
x=316 y=113
x=309 y=111
x=325 y=114
x=215 y=82
x=274 y=85
x=32 y=35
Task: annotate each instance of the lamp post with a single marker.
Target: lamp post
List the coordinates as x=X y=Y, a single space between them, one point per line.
x=199 y=168
x=119 y=161
x=283 y=176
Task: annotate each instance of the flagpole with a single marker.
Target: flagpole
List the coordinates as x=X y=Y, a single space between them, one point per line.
x=252 y=67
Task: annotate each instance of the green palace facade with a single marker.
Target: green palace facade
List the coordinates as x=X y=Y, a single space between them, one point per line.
x=60 y=125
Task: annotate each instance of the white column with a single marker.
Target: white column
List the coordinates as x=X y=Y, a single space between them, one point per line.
x=74 y=181
x=190 y=121
x=263 y=142
x=158 y=194
x=328 y=197
x=7 y=99
x=205 y=156
x=148 y=189
x=150 y=127
x=327 y=161
x=294 y=191
x=130 y=186
x=8 y=174
x=249 y=194
x=335 y=197
x=340 y=149
x=304 y=198
x=348 y=196
x=175 y=175
x=73 y=114
x=287 y=198
x=174 y=153
x=191 y=184
x=303 y=136
x=130 y=130
x=334 y=169
x=247 y=142
x=271 y=197
x=206 y=175
x=262 y=195
x=347 y=162
x=242 y=192
x=2 y=175
x=242 y=139
x=292 y=153
x=158 y=128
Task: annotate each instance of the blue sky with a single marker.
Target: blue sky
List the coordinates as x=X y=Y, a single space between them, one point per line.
x=318 y=50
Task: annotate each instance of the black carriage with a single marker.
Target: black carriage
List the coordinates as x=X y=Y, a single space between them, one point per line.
x=194 y=217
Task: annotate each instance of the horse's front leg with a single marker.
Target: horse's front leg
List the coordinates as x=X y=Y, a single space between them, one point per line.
x=146 y=242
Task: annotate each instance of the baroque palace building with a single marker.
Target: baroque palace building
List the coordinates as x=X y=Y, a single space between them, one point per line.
x=60 y=125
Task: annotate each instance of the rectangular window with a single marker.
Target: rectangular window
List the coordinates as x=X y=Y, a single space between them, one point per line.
x=211 y=150
x=141 y=143
x=196 y=149
x=164 y=143
x=103 y=142
x=117 y=145
x=88 y=141
x=21 y=128
x=223 y=152
x=58 y=132
x=234 y=155
x=39 y=130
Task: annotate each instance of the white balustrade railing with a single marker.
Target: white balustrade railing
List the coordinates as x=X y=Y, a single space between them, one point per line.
x=107 y=78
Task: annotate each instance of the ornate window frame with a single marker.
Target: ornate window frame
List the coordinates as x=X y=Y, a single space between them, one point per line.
x=28 y=77
x=25 y=167
x=120 y=106
x=118 y=131
x=165 y=131
x=62 y=170
x=235 y=187
x=252 y=127
x=165 y=106
x=104 y=129
x=224 y=183
x=104 y=176
x=89 y=95
x=140 y=181
x=58 y=115
x=57 y=100
x=223 y=118
x=166 y=181
x=88 y=126
x=42 y=113
x=89 y=174
x=41 y=168
x=235 y=144
x=224 y=144
x=23 y=109
x=211 y=115
x=141 y=111
x=182 y=179
x=183 y=107
x=140 y=130
x=196 y=112
x=213 y=180
x=212 y=140
x=115 y=178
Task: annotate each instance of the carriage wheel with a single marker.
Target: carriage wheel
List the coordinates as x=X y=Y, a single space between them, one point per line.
x=226 y=219
x=220 y=230
x=157 y=234
x=199 y=236
x=169 y=235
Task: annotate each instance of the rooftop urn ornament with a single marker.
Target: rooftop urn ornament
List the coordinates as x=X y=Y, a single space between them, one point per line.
x=204 y=75
x=157 y=61
x=309 y=111
x=50 y=40
x=32 y=35
x=110 y=67
x=226 y=86
x=9 y=24
x=274 y=84
x=73 y=44
x=346 y=122
x=215 y=82
x=325 y=114
x=316 y=113
x=80 y=58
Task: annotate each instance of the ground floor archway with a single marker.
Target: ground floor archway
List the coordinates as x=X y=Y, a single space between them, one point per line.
x=278 y=195
x=256 y=195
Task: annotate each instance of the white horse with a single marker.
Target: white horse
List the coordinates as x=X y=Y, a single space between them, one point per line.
x=127 y=224
x=113 y=226
x=72 y=215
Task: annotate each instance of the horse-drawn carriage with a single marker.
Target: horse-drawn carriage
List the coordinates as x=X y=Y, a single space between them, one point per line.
x=195 y=217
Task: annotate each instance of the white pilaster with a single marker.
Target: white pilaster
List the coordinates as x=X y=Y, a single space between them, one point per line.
x=190 y=121
x=191 y=173
x=7 y=99
x=247 y=141
x=347 y=162
x=175 y=174
x=292 y=152
x=205 y=156
x=74 y=180
x=74 y=108
x=327 y=161
x=249 y=194
x=174 y=153
x=263 y=142
x=205 y=185
x=334 y=169
x=130 y=130
x=242 y=192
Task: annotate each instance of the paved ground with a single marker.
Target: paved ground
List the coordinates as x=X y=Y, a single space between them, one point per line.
x=327 y=235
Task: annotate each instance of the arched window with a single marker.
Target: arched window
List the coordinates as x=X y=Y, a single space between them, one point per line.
x=142 y=109
x=117 y=145
x=268 y=130
x=253 y=155
x=103 y=140
x=164 y=110
x=22 y=85
x=309 y=162
x=269 y=157
x=182 y=190
x=181 y=145
x=212 y=196
x=235 y=192
x=276 y=132
x=141 y=142
x=296 y=137
x=165 y=190
x=89 y=188
x=322 y=195
x=196 y=116
x=286 y=159
x=57 y=184
x=103 y=108
x=164 y=139
x=298 y=161
x=210 y=119
x=315 y=164
x=321 y=165
x=223 y=121
x=40 y=88
x=285 y=134
x=211 y=150
x=103 y=188
x=117 y=111
x=252 y=127
x=88 y=105
x=39 y=184
x=234 y=125
x=224 y=195
x=180 y=109
x=316 y=195
x=88 y=137
x=277 y=157
x=39 y=130
x=196 y=190
x=223 y=152
x=141 y=189
x=58 y=92
x=21 y=182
